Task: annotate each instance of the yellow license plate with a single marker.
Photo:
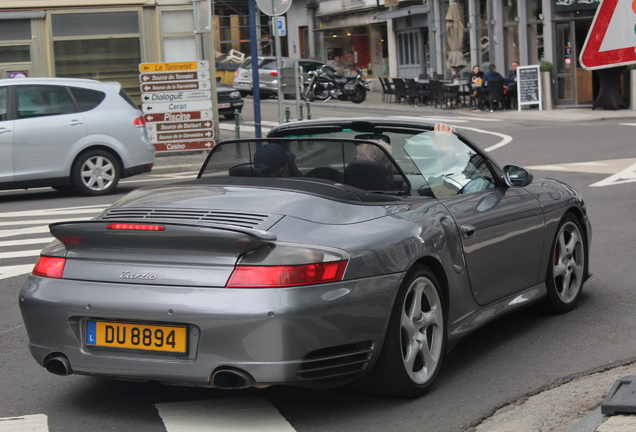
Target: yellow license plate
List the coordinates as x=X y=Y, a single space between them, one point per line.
x=137 y=336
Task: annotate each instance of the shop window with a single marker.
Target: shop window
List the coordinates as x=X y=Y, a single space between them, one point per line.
x=15 y=54
x=94 y=23
x=15 y=30
x=177 y=29
x=108 y=50
x=12 y=32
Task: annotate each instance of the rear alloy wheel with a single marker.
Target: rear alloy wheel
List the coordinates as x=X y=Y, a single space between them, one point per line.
x=566 y=272
x=359 y=95
x=416 y=338
x=95 y=172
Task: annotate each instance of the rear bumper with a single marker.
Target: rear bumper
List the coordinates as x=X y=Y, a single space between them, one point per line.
x=311 y=336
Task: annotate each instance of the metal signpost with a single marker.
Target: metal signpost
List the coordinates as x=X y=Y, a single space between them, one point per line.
x=275 y=8
x=177 y=105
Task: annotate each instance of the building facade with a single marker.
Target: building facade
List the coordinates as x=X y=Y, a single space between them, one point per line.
x=406 y=38
x=99 y=39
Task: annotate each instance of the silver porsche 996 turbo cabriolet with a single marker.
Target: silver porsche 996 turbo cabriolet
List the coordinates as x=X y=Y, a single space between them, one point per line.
x=330 y=252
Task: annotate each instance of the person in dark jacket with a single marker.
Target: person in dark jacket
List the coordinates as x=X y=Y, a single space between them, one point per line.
x=511 y=83
x=491 y=75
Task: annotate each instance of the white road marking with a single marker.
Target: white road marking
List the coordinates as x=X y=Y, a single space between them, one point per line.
x=40 y=221
x=449 y=119
x=55 y=211
x=250 y=414
x=25 y=219
x=628 y=175
x=7 y=272
x=20 y=254
x=11 y=329
x=505 y=139
x=622 y=170
x=627 y=124
x=24 y=231
x=28 y=423
x=42 y=240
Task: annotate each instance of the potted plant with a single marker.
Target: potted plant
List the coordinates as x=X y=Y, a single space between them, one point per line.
x=546 y=69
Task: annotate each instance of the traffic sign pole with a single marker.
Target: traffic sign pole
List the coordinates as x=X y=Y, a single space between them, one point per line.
x=256 y=91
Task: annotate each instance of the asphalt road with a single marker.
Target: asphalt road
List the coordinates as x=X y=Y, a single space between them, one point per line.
x=508 y=359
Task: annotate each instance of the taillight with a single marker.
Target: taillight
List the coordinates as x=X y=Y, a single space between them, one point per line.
x=236 y=73
x=140 y=122
x=52 y=267
x=285 y=276
x=273 y=73
x=138 y=227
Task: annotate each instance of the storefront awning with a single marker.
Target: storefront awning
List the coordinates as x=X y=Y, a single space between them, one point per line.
x=399 y=13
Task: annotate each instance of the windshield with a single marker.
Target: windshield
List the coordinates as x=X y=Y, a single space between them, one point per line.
x=366 y=165
x=437 y=163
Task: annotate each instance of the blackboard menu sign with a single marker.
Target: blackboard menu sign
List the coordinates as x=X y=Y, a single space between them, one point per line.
x=529 y=86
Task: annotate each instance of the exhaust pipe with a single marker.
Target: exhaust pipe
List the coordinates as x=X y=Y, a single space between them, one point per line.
x=58 y=365
x=232 y=379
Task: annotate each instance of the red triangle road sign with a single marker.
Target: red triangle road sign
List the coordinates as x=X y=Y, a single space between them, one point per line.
x=612 y=37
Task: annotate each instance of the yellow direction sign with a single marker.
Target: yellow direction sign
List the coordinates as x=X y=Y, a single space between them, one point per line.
x=174 y=67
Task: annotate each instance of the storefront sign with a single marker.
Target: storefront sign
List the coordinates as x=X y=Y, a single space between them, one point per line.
x=575 y=5
x=17 y=74
x=529 y=86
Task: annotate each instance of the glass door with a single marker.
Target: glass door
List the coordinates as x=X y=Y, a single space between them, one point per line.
x=565 y=63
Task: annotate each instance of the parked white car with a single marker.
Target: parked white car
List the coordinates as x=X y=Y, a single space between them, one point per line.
x=268 y=75
x=70 y=134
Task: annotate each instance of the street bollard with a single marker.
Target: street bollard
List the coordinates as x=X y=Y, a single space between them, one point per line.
x=300 y=112
x=308 y=112
x=287 y=114
x=237 y=126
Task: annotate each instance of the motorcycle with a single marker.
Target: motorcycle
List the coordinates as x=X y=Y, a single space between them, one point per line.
x=325 y=83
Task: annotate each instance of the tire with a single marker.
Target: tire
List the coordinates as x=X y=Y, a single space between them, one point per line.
x=567 y=267
x=415 y=341
x=359 y=95
x=229 y=116
x=96 y=172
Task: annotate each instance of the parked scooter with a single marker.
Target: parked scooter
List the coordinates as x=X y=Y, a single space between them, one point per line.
x=325 y=83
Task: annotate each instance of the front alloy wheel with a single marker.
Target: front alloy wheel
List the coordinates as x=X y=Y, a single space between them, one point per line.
x=96 y=172
x=416 y=338
x=566 y=272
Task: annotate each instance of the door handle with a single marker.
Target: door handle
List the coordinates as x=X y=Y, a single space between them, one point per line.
x=75 y=122
x=4 y=130
x=468 y=231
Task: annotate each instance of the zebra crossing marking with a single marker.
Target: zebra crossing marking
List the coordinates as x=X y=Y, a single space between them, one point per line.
x=27 y=423
x=249 y=414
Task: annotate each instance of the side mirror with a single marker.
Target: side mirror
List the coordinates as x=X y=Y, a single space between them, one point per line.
x=218 y=79
x=516 y=176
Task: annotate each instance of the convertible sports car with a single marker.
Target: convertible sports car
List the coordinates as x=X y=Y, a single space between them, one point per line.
x=332 y=251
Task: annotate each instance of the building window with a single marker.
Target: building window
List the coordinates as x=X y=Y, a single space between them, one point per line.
x=535 y=31
x=98 y=45
x=484 y=34
x=352 y=45
x=511 y=31
x=177 y=34
x=15 y=41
